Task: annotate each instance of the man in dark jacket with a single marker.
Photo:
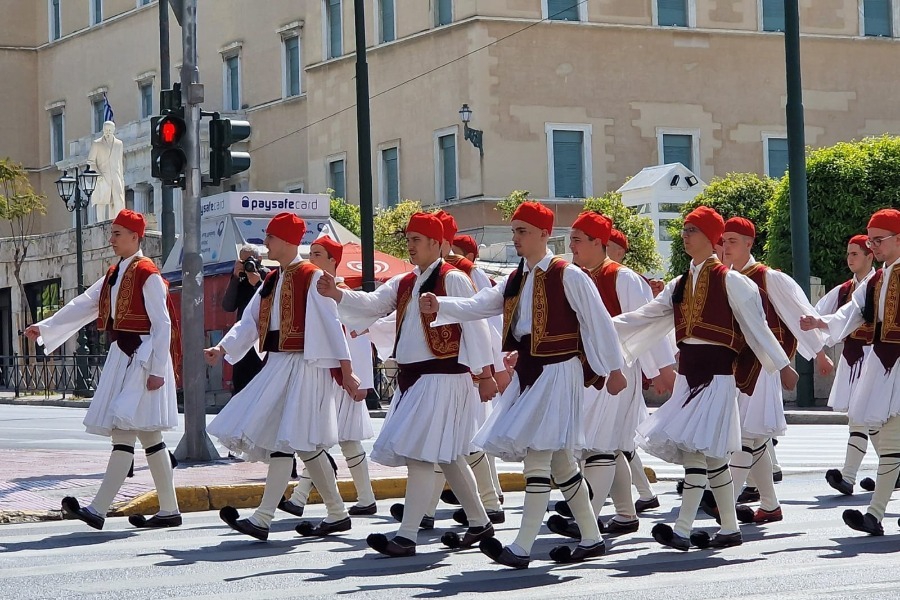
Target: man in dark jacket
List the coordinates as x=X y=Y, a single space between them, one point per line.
x=247 y=276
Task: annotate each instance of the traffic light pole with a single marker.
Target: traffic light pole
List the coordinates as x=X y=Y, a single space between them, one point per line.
x=195 y=446
x=165 y=82
x=364 y=145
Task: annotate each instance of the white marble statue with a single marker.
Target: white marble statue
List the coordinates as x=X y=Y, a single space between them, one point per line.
x=106 y=157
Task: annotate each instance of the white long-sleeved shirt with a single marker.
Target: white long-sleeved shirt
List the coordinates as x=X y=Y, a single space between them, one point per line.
x=324 y=341
x=597 y=332
x=358 y=310
x=828 y=304
x=848 y=318
x=85 y=308
x=642 y=328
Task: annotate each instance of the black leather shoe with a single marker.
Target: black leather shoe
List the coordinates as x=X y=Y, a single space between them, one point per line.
x=356 y=511
x=474 y=535
x=564 y=554
x=291 y=508
x=448 y=497
x=679 y=487
x=562 y=508
x=642 y=505
x=155 y=522
x=726 y=540
x=867 y=484
x=666 y=536
x=397 y=512
x=307 y=529
x=777 y=476
x=395 y=547
x=837 y=481
x=244 y=526
x=564 y=527
x=615 y=527
x=71 y=508
x=499 y=553
x=748 y=494
x=496 y=516
x=744 y=513
x=862 y=522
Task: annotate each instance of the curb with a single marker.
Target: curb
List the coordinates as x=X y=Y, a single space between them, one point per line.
x=815 y=417
x=32 y=401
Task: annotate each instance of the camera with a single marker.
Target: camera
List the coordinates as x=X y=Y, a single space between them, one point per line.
x=251 y=265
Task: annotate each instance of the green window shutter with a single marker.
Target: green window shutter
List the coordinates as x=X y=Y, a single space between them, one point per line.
x=568 y=164
x=390 y=169
x=234 y=83
x=877 y=18
x=292 y=62
x=444 y=12
x=447 y=146
x=338 y=180
x=678 y=149
x=387 y=21
x=562 y=10
x=335 y=45
x=773 y=15
x=672 y=13
x=58 y=143
x=778 y=157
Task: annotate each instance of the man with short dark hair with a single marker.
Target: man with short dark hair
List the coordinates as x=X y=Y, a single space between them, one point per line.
x=246 y=277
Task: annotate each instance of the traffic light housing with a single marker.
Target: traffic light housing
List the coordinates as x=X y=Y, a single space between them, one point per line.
x=223 y=162
x=168 y=158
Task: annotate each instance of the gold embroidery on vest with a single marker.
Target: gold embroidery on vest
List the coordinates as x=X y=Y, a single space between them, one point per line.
x=889 y=323
x=540 y=315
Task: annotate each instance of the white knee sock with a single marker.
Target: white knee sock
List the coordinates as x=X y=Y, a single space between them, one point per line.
x=537 y=492
x=695 y=479
x=322 y=475
x=355 y=456
x=600 y=471
x=277 y=479
x=161 y=470
x=419 y=490
x=857 y=444
x=462 y=482
x=639 y=477
x=571 y=484
x=436 y=490
x=722 y=488
x=304 y=487
x=621 y=490
x=120 y=462
x=479 y=462
x=741 y=464
x=492 y=464
x=761 y=470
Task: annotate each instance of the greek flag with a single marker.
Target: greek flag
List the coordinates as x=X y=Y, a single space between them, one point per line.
x=107 y=109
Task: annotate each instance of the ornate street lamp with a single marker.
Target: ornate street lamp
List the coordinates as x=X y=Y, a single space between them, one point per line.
x=473 y=135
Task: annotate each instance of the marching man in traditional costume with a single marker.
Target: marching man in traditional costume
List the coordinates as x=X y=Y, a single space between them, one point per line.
x=875 y=307
x=759 y=399
x=431 y=419
x=353 y=421
x=554 y=317
x=135 y=398
x=853 y=355
x=714 y=311
x=289 y=406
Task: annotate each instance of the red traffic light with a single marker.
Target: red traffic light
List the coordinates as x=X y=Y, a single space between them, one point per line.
x=168 y=132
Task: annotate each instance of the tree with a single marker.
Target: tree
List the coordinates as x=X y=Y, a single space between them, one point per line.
x=19 y=207
x=846 y=183
x=390 y=224
x=735 y=195
x=642 y=255
x=346 y=214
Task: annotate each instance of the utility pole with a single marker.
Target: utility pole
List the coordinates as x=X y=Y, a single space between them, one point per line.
x=364 y=149
x=797 y=175
x=195 y=445
x=165 y=82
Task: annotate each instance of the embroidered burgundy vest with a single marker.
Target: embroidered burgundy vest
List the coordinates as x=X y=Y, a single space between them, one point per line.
x=443 y=341
x=294 y=289
x=704 y=312
x=884 y=335
x=854 y=344
x=461 y=262
x=604 y=277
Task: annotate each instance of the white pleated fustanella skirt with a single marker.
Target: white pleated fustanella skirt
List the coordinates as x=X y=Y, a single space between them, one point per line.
x=353 y=421
x=762 y=414
x=610 y=422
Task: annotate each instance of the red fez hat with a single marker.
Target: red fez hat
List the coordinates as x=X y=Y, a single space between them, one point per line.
x=741 y=226
x=861 y=240
x=449 y=225
x=536 y=214
x=334 y=249
x=617 y=237
x=288 y=227
x=467 y=244
x=132 y=221
x=887 y=219
x=595 y=225
x=427 y=224
x=708 y=221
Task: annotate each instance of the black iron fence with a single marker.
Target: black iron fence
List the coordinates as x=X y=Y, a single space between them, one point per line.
x=54 y=374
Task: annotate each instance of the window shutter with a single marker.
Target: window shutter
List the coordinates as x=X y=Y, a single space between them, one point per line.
x=568 y=164
x=773 y=15
x=391 y=177
x=292 y=47
x=387 y=21
x=877 y=17
x=678 y=149
x=445 y=12
x=562 y=10
x=778 y=157
x=335 y=47
x=338 y=182
x=672 y=13
x=448 y=166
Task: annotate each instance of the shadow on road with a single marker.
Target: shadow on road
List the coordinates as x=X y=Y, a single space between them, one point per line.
x=69 y=540
x=850 y=547
x=831 y=501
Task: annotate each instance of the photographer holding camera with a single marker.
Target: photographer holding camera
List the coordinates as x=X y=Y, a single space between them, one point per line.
x=247 y=276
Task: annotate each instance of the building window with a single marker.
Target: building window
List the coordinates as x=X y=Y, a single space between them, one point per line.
x=772 y=15
x=672 y=13
x=389 y=176
x=387 y=24
x=97 y=110
x=96 y=11
x=662 y=230
x=333 y=29
x=446 y=174
x=677 y=148
x=44 y=300
x=146 y=92
x=57 y=136
x=443 y=12
x=776 y=156
x=55 y=20
x=337 y=178
x=233 y=82
x=564 y=10
x=144 y=2
x=292 y=66
x=296 y=188
x=569 y=159
x=877 y=18
x=129 y=198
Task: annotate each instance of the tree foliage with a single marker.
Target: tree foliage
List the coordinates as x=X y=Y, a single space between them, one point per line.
x=346 y=214
x=736 y=195
x=390 y=224
x=846 y=183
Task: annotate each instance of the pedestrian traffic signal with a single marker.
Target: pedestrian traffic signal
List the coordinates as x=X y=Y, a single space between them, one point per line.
x=223 y=162
x=168 y=158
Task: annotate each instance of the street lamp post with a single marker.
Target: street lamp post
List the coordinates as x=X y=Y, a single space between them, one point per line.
x=75 y=193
